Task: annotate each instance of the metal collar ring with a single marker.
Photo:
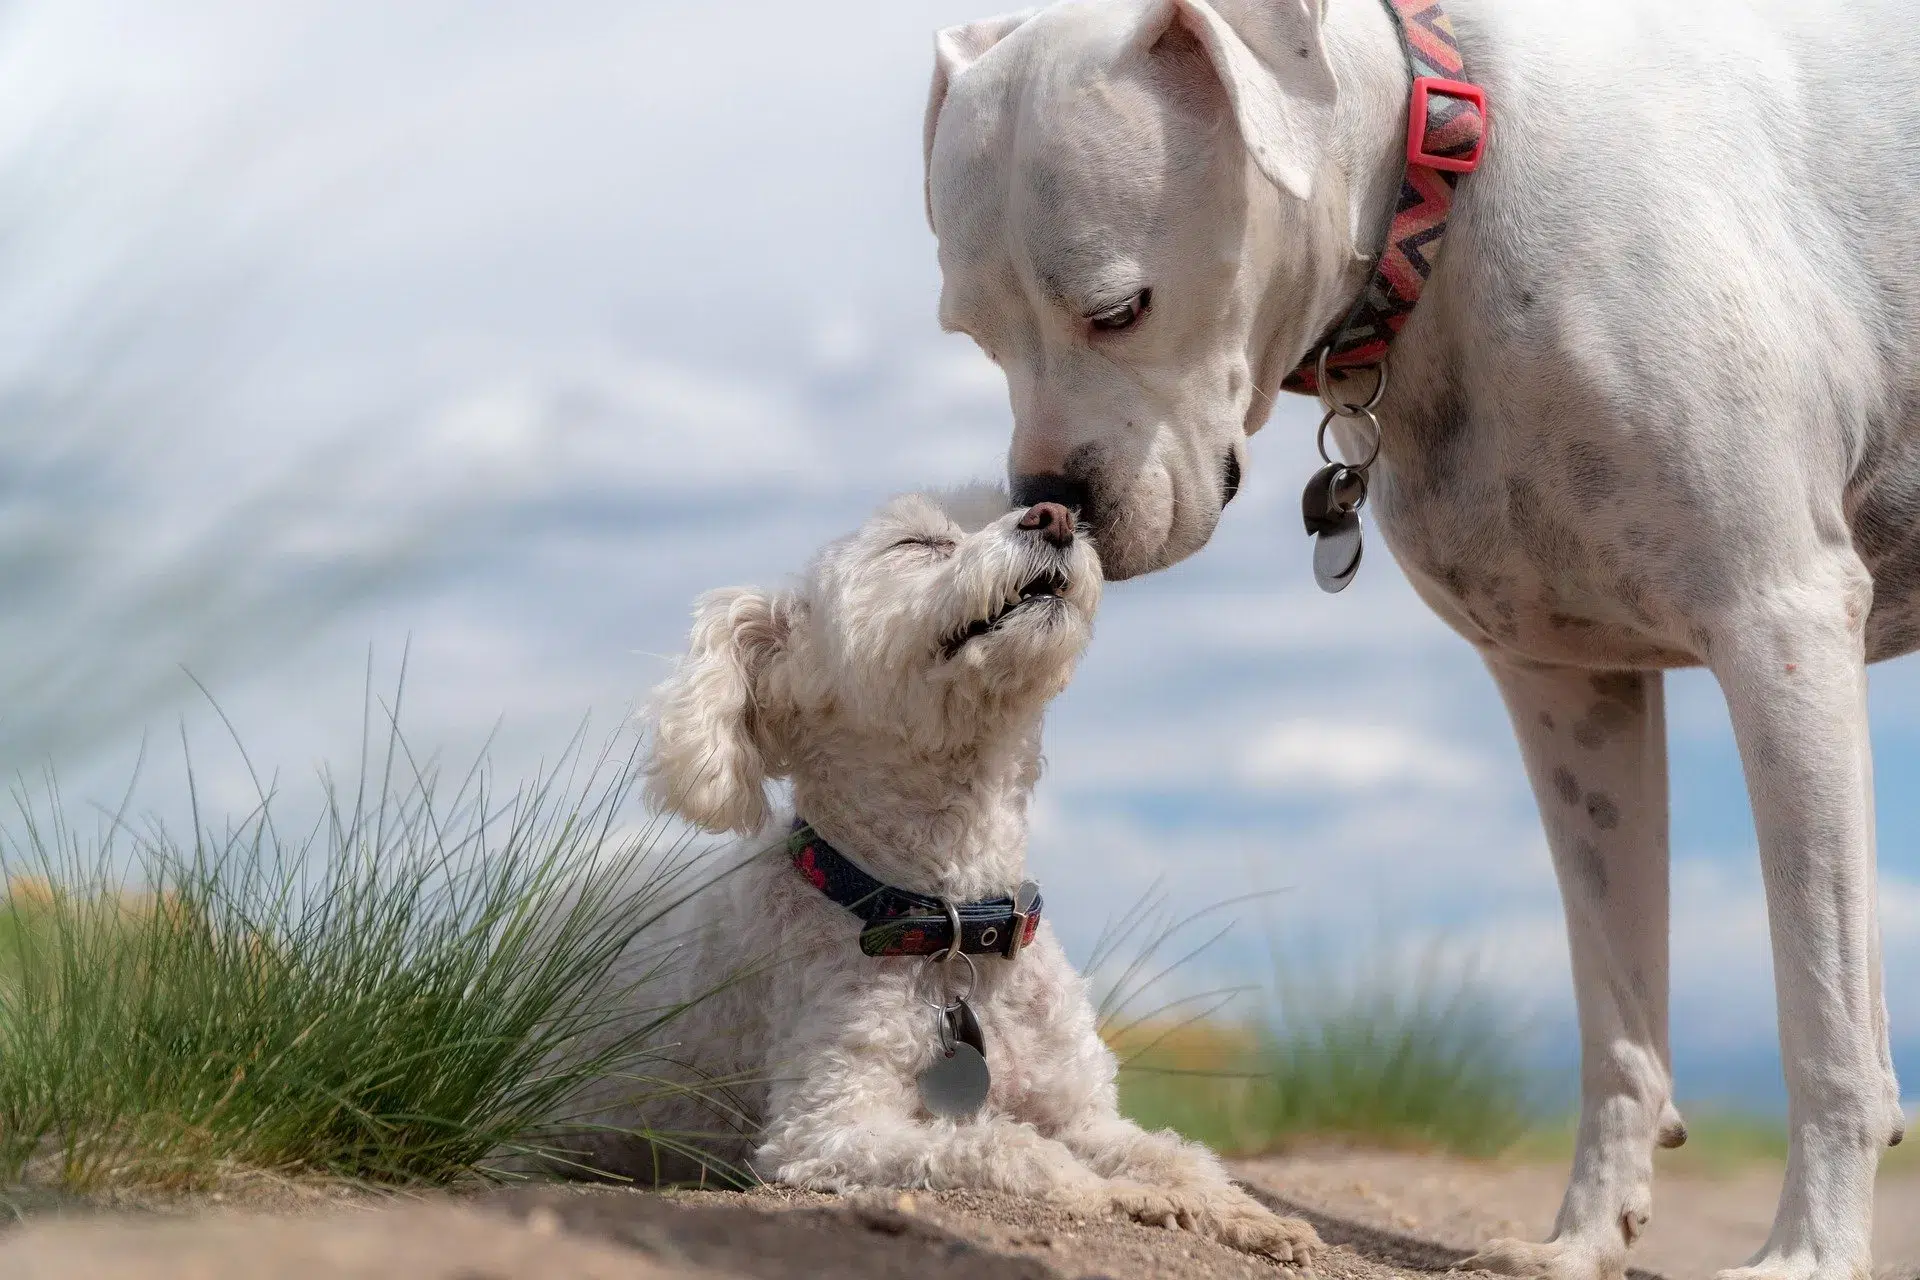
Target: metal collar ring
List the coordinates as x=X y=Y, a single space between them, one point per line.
x=1320 y=440
x=953 y=923
x=1325 y=384
x=973 y=979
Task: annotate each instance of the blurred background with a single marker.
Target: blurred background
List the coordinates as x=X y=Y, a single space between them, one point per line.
x=503 y=330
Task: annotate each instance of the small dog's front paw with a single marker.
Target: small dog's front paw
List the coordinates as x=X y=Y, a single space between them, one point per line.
x=1231 y=1218
x=1245 y=1224
x=1287 y=1240
x=1141 y=1203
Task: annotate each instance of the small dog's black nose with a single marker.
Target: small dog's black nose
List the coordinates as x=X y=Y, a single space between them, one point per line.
x=1051 y=521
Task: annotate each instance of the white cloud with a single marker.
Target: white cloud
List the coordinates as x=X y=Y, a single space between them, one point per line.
x=1316 y=755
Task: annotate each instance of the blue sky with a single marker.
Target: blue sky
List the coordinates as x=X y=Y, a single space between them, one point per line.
x=506 y=330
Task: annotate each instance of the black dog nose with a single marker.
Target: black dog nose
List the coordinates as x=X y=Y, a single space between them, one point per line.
x=1070 y=493
x=1051 y=521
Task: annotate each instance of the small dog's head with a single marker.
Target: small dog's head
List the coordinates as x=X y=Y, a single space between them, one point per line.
x=942 y=621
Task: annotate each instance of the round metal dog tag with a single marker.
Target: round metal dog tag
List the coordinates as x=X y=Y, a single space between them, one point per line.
x=1336 y=553
x=956 y=1083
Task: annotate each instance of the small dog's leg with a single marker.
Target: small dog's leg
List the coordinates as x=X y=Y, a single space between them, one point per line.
x=828 y=1151
x=842 y=1151
x=1595 y=750
x=1208 y=1201
x=838 y=1132
x=1791 y=662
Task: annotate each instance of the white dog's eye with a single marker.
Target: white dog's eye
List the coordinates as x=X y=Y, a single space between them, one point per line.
x=1122 y=315
x=942 y=545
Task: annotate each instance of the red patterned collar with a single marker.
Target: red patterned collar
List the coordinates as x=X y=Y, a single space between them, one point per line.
x=1446 y=133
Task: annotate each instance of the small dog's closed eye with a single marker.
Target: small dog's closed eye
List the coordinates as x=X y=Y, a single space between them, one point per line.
x=900 y=688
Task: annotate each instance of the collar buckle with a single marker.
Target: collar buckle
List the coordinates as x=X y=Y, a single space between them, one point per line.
x=1465 y=118
x=1023 y=899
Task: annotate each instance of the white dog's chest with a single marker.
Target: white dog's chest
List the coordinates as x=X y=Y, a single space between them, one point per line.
x=1511 y=566
x=1031 y=1082
x=1037 y=1023
x=1570 y=539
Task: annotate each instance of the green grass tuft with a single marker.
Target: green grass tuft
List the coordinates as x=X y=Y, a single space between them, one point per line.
x=1431 y=1067
x=1403 y=1055
x=409 y=989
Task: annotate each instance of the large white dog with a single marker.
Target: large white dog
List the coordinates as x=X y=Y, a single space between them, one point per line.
x=1658 y=408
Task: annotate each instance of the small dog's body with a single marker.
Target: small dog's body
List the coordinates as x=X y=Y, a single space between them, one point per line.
x=901 y=689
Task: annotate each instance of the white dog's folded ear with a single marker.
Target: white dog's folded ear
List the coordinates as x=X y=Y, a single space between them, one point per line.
x=954 y=50
x=719 y=721
x=1276 y=74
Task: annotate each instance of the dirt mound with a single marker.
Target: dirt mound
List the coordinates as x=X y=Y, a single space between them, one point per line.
x=770 y=1234
x=617 y=1234
x=416 y=1242
x=1387 y=1217
x=1702 y=1221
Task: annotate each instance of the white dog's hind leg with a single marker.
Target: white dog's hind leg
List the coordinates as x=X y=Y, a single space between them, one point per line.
x=1208 y=1201
x=1595 y=750
x=1791 y=662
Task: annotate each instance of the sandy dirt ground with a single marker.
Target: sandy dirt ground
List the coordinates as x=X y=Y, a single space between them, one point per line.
x=1387 y=1216
x=1701 y=1222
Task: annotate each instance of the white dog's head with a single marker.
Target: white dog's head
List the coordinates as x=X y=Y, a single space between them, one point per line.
x=1142 y=220
x=940 y=622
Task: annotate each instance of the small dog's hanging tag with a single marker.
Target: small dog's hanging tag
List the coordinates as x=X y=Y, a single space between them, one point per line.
x=1330 y=509
x=955 y=1084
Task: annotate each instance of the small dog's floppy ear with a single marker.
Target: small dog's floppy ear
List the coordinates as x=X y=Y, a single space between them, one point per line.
x=954 y=50
x=1276 y=74
x=719 y=719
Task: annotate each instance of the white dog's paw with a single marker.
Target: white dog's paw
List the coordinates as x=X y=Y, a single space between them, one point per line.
x=1796 y=1268
x=1553 y=1260
x=1134 y=1200
x=1251 y=1227
x=1230 y=1217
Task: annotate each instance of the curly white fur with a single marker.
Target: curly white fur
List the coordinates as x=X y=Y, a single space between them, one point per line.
x=915 y=756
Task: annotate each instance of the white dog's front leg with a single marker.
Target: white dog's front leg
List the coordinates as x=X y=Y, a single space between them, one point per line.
x=1595 y=750
x=1792 y=665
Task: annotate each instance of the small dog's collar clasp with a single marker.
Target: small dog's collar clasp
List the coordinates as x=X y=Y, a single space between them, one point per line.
x=1023 y=899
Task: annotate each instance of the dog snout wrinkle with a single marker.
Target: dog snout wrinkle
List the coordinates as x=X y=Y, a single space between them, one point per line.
x=1051 y=521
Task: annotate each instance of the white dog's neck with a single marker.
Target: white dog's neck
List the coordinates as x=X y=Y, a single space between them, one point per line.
x=951 y=824
x=1357 y=184
x=1369 y=141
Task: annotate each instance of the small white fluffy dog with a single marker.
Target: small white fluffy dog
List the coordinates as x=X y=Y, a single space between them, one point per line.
x=901 y=687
